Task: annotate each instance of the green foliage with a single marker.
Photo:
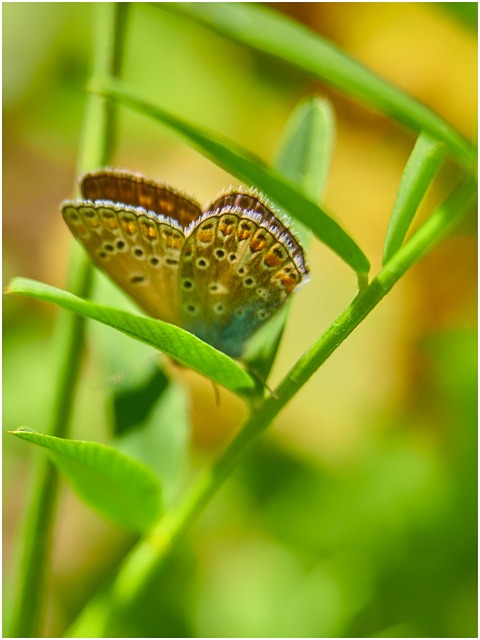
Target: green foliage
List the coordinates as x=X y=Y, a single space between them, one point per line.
x=119 y=487
x=251 y=170
x=336 y=571
x=303 y=157
x=152 y=422
x=306 y=146
x=419 y=172
x=262 y=29
x=177 y=343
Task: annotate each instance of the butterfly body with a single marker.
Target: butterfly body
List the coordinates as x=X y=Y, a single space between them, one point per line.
x=220 y=274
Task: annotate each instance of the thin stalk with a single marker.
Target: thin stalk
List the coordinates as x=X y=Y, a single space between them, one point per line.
x=146 y=557
x=67 y=344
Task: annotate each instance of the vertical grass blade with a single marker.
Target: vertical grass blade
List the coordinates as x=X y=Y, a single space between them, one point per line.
x=68 y=346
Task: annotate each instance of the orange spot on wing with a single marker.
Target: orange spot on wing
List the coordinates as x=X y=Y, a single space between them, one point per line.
x=146 y=201
x=287 y=280
x=272 y=260
x=205 y=236
x=243 y=234
x=148 y=230
x=226 y=229
x=257 y=244
x=184 y=215
x=167 y=205
x=129 y=227
x=175 y=242
x=146 y=196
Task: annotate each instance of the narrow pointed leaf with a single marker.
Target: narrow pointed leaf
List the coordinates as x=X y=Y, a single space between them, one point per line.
x=247 y=168
x=304 y=157
x=177 y=343
x=270 y=32
x=306 y=146
x=418 y=174
x=119 y=487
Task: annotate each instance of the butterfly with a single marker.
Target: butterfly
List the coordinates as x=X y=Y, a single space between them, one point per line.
x=220 y=273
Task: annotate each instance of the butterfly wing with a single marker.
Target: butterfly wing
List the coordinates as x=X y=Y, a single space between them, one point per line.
x=133 y=189
x=138 y=249
x=221 y=274
x=238 y=266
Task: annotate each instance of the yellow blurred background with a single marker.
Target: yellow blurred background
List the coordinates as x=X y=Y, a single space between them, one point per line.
x=356 y=516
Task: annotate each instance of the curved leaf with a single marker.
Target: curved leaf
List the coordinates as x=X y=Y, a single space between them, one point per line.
x=247 y=168
x=177 y=343
x=270 y=32
x=119 y=487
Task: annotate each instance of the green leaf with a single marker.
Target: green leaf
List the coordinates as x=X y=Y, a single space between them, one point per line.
x=417 y=176
x=465 y=12
x=120 y=488
x=304 y=157
x=306 y=146
x=267 y=31
x=247 y=168
x=177 y=343
x=134 y=398
x=158 y=436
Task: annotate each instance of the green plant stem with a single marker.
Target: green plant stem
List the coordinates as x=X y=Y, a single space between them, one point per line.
x=67 y=344
x=149 y=553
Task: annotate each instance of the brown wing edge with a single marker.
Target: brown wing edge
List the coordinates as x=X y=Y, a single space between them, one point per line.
x=125 y=187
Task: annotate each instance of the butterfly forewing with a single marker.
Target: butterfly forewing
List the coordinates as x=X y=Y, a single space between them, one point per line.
x=136 y=249
x=253 y=203
x=237 y=269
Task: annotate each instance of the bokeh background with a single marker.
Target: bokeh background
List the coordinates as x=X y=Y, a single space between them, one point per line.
x=356 y=514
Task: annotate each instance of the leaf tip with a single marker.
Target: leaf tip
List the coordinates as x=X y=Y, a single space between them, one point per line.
x=10 y=287
x=20 y=430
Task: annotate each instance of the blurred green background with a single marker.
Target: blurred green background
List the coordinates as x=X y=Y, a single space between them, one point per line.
x=356 y=515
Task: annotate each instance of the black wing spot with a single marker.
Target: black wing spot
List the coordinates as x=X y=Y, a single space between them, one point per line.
x=187 y=284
